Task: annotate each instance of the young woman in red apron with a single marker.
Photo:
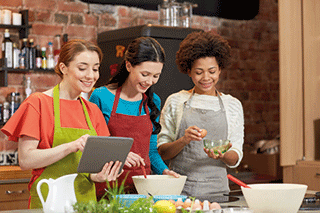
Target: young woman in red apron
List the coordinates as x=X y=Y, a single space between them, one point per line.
x=52 y=127
x=131 y=109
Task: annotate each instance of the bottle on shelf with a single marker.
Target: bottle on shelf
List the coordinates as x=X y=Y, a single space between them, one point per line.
x=28 y=89
x=164 y=13
x=16 y=54
x=32 y=54
x=12 y=103
x=38 y=57
x=57 y=48
x=24 y=54
x=50 y=59
x=43 y=58
x=7 y=49
x=6 y=111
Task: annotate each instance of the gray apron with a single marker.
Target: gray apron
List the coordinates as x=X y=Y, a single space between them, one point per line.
x=205 y=176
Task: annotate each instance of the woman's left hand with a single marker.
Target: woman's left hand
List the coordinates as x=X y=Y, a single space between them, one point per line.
x=211 y=153
x=109 y=172
x=170 y=172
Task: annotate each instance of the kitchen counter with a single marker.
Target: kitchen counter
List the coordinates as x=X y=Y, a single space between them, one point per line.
x=239 y=203
x=13 y=173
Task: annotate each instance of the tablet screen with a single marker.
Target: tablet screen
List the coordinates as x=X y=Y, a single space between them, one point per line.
x=102 y=149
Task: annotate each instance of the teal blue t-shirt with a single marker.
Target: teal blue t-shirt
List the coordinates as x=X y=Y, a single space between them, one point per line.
x=104 y=99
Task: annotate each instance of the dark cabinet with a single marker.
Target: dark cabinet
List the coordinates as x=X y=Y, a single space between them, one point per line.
x=113 y=44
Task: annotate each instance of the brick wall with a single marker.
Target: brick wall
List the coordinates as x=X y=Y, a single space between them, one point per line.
x=253 y=76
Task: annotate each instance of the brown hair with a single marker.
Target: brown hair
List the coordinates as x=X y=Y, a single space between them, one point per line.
x=72 y=48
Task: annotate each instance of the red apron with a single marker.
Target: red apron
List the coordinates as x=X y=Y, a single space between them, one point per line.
x=140 y=129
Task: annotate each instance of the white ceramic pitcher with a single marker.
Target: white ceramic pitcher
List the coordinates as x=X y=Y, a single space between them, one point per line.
x=61 y=195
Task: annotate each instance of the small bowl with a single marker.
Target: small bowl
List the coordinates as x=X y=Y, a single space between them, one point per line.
x=169 y=197
x=128 y=199
x=222 y=145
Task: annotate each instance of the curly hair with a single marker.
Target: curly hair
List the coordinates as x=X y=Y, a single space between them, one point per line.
x=199 y=45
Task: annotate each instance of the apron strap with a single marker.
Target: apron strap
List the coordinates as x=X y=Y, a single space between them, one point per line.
x=86 y=114
x=220 y=102
x=116 y=101
x=56 y=106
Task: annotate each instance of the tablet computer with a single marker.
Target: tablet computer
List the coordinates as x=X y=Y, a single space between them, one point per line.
x=102 y=149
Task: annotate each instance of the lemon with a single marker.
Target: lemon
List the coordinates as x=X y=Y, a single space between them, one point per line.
x=164 y=206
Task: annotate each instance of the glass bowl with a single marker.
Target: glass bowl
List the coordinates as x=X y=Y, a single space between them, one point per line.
x=222 y=145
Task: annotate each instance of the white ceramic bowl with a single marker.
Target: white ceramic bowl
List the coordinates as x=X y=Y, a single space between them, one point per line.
x=274 y=197
x=159 y=184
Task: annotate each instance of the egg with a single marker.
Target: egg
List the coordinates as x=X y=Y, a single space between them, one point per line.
x=196 y=205
x=214 y=205
x=203 y=133
x=186 y=204
x=179 y=202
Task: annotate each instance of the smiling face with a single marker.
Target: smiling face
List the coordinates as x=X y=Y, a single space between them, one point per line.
x=82 y=72
x=205 y=74
x=143 y=75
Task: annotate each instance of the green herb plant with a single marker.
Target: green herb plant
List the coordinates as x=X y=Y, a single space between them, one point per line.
x=110 y=203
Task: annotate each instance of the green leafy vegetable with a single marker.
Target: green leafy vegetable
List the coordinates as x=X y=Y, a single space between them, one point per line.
x=111 y=204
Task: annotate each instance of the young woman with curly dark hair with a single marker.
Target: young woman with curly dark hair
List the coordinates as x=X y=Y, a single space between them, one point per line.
x=131 y=109
x=202 y=56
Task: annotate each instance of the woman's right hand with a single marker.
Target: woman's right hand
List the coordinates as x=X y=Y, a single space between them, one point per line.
x=79 y=143
x=191 y=134
x=109 y=172
x=134 y=160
